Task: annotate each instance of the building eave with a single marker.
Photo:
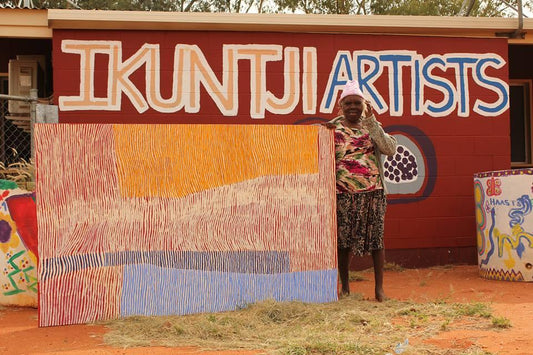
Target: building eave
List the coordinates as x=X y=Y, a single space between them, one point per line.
x=374 y=24
x=24 y=23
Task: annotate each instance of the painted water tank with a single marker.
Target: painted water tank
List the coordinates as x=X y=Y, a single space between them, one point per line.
x=504 y=224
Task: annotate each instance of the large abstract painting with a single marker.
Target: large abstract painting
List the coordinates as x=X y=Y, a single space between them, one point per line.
x=178 y=219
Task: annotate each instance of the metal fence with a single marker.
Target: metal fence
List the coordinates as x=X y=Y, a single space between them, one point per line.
x=16 y=148
x=15 y=138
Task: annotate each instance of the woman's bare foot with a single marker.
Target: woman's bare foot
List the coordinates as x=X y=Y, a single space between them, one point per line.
x=380 y=295
x=344 y=293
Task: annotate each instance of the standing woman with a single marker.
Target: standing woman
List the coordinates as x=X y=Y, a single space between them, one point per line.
x=361 y=203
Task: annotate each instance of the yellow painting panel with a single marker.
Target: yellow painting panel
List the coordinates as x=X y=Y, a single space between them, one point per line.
x=178 y=160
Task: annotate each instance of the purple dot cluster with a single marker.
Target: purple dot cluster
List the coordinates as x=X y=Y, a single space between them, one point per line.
x=5 y=231
x=401 y=166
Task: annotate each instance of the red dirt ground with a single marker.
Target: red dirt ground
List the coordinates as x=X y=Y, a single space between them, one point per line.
x=20 y=335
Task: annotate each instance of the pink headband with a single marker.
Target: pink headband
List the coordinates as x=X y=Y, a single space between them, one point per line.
x=351 y=88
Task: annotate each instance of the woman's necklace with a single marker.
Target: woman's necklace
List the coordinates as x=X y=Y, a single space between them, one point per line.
x=352 y=125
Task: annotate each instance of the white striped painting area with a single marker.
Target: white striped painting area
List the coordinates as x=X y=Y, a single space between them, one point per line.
x=180 y=219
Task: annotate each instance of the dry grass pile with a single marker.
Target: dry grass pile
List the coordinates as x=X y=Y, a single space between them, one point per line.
x=349 y=326
x=21 y=172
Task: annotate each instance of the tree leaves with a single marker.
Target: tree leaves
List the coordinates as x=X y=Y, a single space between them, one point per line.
x=488 y=8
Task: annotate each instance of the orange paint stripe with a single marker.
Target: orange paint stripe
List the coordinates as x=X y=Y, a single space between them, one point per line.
x=178 y=160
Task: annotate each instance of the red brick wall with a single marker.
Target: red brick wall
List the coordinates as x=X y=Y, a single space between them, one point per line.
x=437 y=212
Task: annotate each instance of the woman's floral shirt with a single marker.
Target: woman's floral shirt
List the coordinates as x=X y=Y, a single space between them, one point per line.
x=356 y=164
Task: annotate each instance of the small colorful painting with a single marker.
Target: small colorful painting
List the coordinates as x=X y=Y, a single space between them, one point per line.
x=504 y=216
x=177 y=219
x=18 y=246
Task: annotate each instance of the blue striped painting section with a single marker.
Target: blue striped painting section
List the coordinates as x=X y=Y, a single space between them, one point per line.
x=152 y=290
x=248 y=261
x=257 y=262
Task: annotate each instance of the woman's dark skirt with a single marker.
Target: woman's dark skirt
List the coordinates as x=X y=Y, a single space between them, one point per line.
x=360 y=221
